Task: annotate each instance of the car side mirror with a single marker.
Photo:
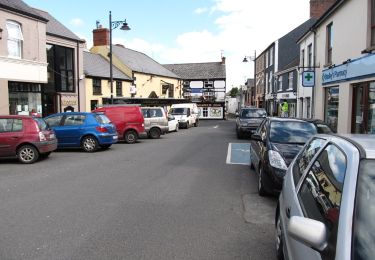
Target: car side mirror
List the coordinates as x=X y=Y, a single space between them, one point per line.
x=256 y=137
x=308 y=231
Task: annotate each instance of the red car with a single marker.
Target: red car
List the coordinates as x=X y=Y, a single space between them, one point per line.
x=26 y=138
x=128 y=120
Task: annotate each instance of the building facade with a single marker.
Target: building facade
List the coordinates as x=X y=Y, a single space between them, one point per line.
x=260 y=75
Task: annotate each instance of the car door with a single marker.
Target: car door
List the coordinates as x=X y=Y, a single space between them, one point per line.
x=318 y=197
x=11 y=132
x=55 y=123
x=257 y=147
x=72 y=129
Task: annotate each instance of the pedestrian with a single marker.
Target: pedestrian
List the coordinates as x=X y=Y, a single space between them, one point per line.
x=284 y=109
x=33 y=113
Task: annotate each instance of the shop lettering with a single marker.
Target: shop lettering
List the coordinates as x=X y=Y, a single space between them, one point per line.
x=334 y=75
x=69 y=102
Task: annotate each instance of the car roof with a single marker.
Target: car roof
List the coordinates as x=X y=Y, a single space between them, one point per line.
x=72 y=113
x=365 y=141
x=15 y=116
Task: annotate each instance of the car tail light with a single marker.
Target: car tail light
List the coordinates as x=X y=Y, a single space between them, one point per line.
x=102 y=129
x=42 y=137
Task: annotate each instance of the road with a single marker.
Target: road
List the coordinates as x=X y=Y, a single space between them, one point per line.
x=172 y=198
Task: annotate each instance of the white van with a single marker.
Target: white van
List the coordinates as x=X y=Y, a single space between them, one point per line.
x=187 y=114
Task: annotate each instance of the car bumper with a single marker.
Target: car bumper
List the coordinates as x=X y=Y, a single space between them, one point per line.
x=46 y=146
x=273 y=179
x=107 y=138
x=247 y=130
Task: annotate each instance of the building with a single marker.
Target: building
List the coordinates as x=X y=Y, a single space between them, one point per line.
x=250 y=92
x=260 y=78
x=97 y=80
x=150 y=79
x=205 y=84
x=23 y=59
x=345 y=77
x=269 y=70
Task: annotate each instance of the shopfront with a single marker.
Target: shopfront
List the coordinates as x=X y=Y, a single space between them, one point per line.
x=363 y=119
x=211 y=110
x=24 y=98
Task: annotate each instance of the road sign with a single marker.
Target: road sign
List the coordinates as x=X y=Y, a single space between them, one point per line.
x=308 y=78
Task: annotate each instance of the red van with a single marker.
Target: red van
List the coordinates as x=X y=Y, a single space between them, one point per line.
x=128 y=120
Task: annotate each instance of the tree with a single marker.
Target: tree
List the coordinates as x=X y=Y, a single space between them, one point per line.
x=234 y=92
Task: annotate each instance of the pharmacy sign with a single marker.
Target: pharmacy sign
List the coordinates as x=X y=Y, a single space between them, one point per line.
x=308 y=78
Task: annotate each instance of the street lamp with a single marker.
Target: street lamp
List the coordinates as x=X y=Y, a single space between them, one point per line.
x=113 y=25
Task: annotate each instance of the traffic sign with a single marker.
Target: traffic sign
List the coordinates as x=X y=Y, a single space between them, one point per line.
x=308 y=78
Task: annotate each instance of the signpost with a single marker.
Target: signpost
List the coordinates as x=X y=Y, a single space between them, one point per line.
x=308 y=78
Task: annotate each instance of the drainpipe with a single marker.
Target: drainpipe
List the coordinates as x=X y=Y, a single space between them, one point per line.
x=313 y=89
x=78 y=78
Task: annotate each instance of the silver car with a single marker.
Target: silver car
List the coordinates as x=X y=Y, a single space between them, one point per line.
x=156 y=122
x=326 y=209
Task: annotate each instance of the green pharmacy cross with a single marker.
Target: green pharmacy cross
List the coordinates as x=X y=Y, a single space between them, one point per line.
x=308 y=78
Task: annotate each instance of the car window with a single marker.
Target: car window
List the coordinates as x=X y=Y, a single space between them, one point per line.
x=323 y=129
x=305 y=157
x=74 y=120
x=42 y=125
x=145 y=113
x=178 y=111
x=288 y=132
x=364 y=213
x=320 y=193
x=102 y=119
x=156 y=112
x=251 y=113
x=10 y=125
x=53 y=121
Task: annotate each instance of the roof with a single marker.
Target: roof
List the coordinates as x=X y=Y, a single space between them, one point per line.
x=55 y=28
x=19 y=6
x=140 y=62
x=97 y=66
x=366 y=141
x=191 y=71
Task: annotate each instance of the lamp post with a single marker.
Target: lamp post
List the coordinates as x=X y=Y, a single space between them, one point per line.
x=252 y=58
x=113 y=25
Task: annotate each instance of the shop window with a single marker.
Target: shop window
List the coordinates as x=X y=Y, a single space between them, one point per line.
x=329 y=44
x=332 y=107
x=119 y=88
x=24 y=97
x=372 y=23
x=363 y=119
x=15 y=39
x=96 y=87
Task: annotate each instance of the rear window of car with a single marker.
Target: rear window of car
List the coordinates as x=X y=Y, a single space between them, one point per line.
x=10 y=125
x=253 y=113
x=102 y=119
x=42 y=125
x=291 y=132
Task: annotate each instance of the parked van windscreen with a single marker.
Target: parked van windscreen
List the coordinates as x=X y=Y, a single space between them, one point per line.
x=178 y=111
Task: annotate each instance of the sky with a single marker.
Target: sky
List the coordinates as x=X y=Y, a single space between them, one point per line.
x=184 y=31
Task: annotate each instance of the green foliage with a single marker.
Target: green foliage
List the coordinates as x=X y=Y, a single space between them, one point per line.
x=234 y=92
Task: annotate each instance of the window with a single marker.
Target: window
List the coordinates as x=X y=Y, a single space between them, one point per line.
x=309 y=56
x=267 y=86
x=74 y=120
x=267 y=59
x=290 y=80
x=271 y=57
x=93 y=104
x=363 y=118
x=329 y=44
x=15 y=39
x=332 y=107
x=53 y=121
x=10 y=125
x=60 y=68
x=320 y=193
x=291 y=132
x=119 y=88
x=302 y=58
x=373 y=23
x=171 y=91
x=305 y=157
x=301 y=107
x=270 y=82
x=280 y=83
x=96 y=86
x=308 y=107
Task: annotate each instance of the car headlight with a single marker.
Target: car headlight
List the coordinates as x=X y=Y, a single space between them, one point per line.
x=276 y=160
x=243 y=124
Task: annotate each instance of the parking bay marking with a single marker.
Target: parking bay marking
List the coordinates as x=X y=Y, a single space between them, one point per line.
x=238 y=153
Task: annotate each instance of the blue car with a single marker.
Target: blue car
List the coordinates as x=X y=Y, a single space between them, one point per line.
x=90 y=131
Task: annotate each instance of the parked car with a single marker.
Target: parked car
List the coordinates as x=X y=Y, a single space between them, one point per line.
x=90 y=131
x=173 y=124
x=187 y=114
x=275 y=144
x=26 y=138
x=156 y=122
x=248 y=120
x=326 y=209
x=128 y=120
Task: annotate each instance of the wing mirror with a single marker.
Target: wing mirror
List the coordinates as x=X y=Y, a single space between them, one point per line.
x=256 y=137
x=310 y=232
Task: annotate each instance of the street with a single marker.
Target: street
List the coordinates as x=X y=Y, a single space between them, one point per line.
x=177 y=197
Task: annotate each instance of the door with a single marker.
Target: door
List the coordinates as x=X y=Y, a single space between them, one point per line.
x=11 y=133
x=363 y=119
x=49 y=104
x=71 y=130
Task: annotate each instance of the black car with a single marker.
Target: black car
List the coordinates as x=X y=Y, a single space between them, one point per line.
x=274 y=146
x=248 y=120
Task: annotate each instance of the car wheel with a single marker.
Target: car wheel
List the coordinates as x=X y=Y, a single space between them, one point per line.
x=279 y=239
x=177 y=126
x=27 y=154
x=261 y=191
x=155 y=133
x=187 y=125
x=89 y=144
x=196 y=123
x=105 y=146
x=131 y=137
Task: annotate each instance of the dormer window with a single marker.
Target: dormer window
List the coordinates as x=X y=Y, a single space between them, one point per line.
x=15 y=39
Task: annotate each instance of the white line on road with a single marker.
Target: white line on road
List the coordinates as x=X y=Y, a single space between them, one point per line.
x=216 y=126
x=229 y=153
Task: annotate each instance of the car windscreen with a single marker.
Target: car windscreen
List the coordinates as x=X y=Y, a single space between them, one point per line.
x=178 y=111
x=291 y=132
x=364 y=213
x=102 y=119
x=41 y=124
x=251 y=113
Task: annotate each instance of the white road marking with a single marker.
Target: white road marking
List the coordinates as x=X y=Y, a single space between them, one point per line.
x=229 y=153
x=216 y=126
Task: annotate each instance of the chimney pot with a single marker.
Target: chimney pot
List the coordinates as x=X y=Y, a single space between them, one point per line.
x=319 y=7
x=101 y=36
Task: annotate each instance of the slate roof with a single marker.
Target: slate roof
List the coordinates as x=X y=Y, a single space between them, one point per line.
x=95 y=65
x=288 y=47
x=20 y=7
x=198 y=71
x=140 y=62
x=55 y=28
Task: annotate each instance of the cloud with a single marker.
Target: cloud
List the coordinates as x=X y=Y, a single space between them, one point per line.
x=76 y=22
x=201 y=10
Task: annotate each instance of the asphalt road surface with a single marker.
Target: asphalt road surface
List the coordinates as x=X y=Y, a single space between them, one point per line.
x=178 y=197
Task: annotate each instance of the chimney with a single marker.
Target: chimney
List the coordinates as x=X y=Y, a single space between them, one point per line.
x=223 y=60
x=319 y=7
x=101 y=36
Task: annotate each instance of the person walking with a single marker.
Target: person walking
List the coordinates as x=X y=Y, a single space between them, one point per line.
x=284 y=109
